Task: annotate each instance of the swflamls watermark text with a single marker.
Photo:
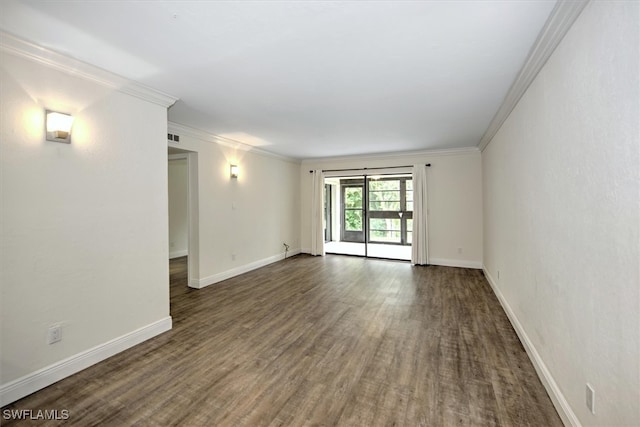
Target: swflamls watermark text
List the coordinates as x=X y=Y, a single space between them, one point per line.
x=36 y=415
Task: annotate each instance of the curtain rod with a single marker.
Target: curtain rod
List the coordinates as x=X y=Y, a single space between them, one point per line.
x=365 y=169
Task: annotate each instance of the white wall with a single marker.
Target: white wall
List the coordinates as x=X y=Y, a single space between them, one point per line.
x=178 y=207
x=455 y=200
x=83 y=233
x=243 y=222
x=562 y=213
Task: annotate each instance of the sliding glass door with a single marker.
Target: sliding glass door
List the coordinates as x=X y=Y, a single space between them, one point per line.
x=353 y=212
x=375 y=216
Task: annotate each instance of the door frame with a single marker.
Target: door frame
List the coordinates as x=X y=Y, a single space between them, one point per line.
x=193 y=253
x=328 y=212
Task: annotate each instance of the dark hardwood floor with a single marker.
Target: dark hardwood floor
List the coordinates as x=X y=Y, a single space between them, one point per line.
x=326 y=341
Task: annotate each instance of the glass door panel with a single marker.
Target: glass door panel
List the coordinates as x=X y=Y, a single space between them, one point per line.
x=385 y=230
x=390 y=206
x=353 y=211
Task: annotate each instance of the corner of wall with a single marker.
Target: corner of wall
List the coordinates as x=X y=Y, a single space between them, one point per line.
x=558 y=399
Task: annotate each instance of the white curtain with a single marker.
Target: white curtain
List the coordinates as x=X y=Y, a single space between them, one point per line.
x=317 y=213
x=420 y=243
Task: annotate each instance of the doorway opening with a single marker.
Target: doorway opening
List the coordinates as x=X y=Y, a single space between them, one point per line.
x=183 y=212
x=369 y=216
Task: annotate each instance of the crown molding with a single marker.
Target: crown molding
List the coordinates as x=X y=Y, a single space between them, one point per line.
x=396 y=154
x=180 y=129
x=33 y=52
x=560 y=20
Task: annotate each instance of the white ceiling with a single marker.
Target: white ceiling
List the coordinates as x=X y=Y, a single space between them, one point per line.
x=305 y=78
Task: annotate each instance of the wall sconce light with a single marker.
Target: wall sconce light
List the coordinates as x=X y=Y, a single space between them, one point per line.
x=233 y=171
x=59 y=127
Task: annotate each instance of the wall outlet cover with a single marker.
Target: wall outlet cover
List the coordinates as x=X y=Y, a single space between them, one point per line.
x=54 y=334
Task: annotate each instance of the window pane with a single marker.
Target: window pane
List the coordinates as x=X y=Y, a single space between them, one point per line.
x=376 y=199
x=384 y=224
x=384 y=185
x=353 y=197
x=385 y=229
x=353 y=220
x=384 y=206
x=409 y=195
x=384 y=196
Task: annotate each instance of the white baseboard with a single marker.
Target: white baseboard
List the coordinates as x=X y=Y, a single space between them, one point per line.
x=178 y=254
x=569 y=418
x=30 y=383
x=439 y=261
x=455 y=263
x=240 y=270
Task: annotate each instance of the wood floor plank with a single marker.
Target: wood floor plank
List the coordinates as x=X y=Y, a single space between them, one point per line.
x=316 y=341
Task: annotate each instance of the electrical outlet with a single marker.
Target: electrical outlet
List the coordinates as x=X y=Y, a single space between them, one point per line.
x=286 y=249
x=233 y=257
x=591 y=398
x=55 y=334
x=459 y=250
